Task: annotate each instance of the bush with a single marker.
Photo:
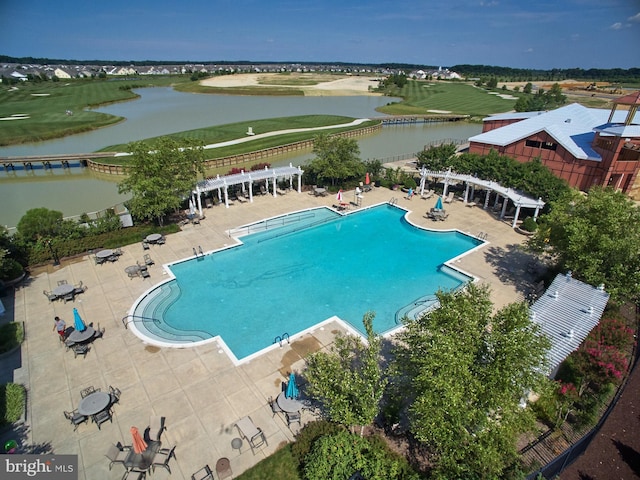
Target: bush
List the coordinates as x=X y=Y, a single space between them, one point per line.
x=10 y=269
x=529 y=224
x=309 y=434
x=409 y=182
x=11 y=335
x=14 y=400
x=340 y=455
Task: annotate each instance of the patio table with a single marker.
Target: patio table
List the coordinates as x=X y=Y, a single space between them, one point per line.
x=105 y=253
x=81 y=336
x=142 y=461
x=132 y=269
x=62 y=290
x=289 y=405
x=94 y=403
x=154 y=237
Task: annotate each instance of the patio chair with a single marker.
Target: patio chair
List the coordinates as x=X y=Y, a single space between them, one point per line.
x=117 y=454
x=254 y=435
x=85 y=392
x=114 y=393
x=99 y=332
x=79 y=288
x=162 y=241
x=62 y=282
x=162 y=457
x=275 y=408
x=118 y=251
x=50 y=295
x=69 y=297
x=148 y=260
x=134 y=475
x=208 y=203
x=99 y=260
x=155 y=428
x=204 y=473
x=145 y=273
x=75 y=418
x=145 y=245
x=293 y=417
x=101 y=417
x=80 y=349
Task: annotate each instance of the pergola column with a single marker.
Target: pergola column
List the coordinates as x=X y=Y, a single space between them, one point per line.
x=515 y=217
x=226 y=195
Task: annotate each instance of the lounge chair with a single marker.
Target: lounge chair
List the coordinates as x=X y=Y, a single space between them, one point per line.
x=426 y=195
x=449 y=198
x=254 y=435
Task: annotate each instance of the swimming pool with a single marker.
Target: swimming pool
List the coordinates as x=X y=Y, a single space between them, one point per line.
x=301 y=269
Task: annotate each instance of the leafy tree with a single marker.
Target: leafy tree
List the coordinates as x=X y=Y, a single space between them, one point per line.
x=597 y=237
x=348 y=381
x=161 y=176
x=39 y=222
x=492 y=82
x=465 y=373
x=437 y=157
x=337 y=159
x=527 y=88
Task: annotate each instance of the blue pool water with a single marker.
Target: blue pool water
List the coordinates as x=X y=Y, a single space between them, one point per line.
x=313 y=266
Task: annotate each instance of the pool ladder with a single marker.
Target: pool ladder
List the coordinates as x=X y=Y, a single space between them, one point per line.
x=198 y=252
x=281 y=338
x=393 y=201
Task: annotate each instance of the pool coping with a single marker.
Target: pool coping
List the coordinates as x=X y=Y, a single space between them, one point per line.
x=223 y=347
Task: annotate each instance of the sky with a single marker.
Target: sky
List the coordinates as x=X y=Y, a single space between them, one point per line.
x=536 y=34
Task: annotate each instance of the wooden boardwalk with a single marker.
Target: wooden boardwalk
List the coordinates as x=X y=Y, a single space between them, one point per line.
x=48 y=161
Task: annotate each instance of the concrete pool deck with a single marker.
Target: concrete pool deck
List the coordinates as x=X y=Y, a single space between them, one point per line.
x=199 y=391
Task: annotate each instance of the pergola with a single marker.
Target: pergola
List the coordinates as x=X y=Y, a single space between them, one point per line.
x=518 y=198
x=222 y=184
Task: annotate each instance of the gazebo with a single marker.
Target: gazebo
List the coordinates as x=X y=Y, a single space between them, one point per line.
x=246 y=180
x=518 y=199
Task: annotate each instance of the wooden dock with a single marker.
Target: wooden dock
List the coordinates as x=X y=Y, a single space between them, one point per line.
x=414 y=119
x=49 y=161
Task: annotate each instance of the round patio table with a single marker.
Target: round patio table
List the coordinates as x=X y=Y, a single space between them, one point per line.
x=62 y=290
x=289 y=405
x=81 y=336
x=131 y=269
x=94 y=403
x=105 y=253
x=154 y=237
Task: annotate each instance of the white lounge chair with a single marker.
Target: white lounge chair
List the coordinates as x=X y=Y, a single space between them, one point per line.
x=251 y=433
x=449 y=198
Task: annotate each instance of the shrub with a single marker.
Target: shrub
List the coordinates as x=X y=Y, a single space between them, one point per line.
x=529 y=224
x=14 y=400
x=11 y=335
x=409 y=182
x=340 y=455
x=309 y=434
x=10 y=269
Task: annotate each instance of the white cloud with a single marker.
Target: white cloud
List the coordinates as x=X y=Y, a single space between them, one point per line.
x=635 y=18
x=529 y=50
x=492 y=3
x=616 y=26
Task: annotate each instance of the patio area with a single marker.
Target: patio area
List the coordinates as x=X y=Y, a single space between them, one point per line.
x=199 y=391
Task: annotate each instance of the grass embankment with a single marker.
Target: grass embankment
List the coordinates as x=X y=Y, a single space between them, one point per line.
x=232 y=131
x=274 y=91
x=38 y=111
x=419 y=97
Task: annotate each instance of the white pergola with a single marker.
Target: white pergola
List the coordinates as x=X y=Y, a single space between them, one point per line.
x=246 y=180
x=519 y=199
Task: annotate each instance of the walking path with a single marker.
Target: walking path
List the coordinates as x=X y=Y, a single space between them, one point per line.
x=198 y=390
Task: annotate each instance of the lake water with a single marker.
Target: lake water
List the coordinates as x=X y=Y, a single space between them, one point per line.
x=160 y=111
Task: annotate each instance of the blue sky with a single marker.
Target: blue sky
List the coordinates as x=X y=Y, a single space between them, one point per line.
x=513 y=33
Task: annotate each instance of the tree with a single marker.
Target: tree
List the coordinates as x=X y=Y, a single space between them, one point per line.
x=349 y=381
x=160 y=177
x=39 y=223
x=597 y=237
x=527 y=88
x=337 y=159
x=465 y=373
x=437 y=157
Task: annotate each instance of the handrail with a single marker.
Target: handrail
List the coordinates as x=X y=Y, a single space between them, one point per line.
x=136 y=317
x=432 y=299
x=294 y=217
x=313 y=224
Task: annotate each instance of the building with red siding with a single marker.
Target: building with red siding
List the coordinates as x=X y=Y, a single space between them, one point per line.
x=584 y=146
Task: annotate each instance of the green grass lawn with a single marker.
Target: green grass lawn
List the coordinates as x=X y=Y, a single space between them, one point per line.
x=223 y=133
x=459 y=98
x=44 y=106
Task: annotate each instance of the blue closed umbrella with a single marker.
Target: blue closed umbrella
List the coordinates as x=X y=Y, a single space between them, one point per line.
x=292 y=388
x=78 y=323
x=439 y=204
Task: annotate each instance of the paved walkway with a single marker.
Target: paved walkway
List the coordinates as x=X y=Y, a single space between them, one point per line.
x=198 y=390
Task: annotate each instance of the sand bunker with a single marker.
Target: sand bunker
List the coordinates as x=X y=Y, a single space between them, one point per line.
x=40 y=94
x=340 y=86
x=16 y=116
x=438 y=111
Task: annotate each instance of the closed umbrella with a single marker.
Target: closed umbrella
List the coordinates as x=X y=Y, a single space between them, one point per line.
x=367 y=180
x=439 y=204
x=292 y=388
x=139 y=445
x=78 y=323
x=339 y=196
